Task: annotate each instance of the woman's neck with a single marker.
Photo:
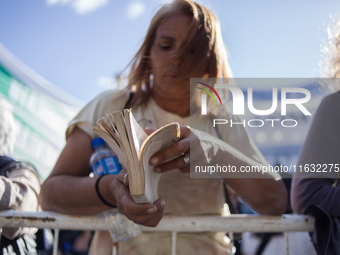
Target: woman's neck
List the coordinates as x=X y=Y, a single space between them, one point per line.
x=180 y=107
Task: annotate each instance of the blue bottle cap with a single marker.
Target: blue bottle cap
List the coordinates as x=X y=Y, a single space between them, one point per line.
x=96 y=142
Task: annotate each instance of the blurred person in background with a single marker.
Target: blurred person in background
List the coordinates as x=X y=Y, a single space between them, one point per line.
x=19 y=188
x=320 y=197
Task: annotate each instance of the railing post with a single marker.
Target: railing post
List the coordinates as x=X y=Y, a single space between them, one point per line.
x=285 y=234
x=56 y=241
x=231 y=243
x=173 y=242
x=114 y=248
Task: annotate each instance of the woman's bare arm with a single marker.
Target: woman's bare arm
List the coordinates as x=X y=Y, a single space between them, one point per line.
x=69 y=189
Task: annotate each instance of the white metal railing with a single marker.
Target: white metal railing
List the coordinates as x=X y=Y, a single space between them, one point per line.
x=236 y=223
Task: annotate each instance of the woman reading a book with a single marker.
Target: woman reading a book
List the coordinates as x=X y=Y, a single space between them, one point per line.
x=184 y=40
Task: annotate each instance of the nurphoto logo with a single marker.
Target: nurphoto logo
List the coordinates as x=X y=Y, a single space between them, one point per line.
x=238 y=103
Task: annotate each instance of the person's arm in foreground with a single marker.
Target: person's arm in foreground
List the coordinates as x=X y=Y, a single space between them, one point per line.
x=19 y=191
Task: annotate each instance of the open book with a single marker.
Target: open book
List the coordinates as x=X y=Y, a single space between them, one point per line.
x=134 y=148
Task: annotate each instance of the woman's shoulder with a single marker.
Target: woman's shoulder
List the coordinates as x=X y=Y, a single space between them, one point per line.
x=113 y=97
x=106 y=102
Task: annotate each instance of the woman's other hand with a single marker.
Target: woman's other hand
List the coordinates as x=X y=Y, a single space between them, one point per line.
x=177 y=155
x=144 y=214
x=160 y=159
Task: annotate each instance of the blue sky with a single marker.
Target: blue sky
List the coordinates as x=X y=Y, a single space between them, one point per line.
x=80 y=45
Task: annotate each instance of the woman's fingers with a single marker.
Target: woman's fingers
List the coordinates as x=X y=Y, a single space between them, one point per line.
x=148 y=130
x=174 y=150
x=182 y=163
x=145 y=214
x=185 y=131
x=155 y=219
x=176 y=156
x=123 y=177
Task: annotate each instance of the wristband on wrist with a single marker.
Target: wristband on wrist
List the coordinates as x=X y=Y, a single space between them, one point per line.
x=99 y=195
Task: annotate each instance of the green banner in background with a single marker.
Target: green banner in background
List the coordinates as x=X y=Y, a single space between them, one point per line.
x=41 y=122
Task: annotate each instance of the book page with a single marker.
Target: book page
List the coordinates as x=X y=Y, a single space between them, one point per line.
x=155 y=142
x=138 y=134
x=134 y=149
x=151 y=177
x=136 y=176
x=168 y=134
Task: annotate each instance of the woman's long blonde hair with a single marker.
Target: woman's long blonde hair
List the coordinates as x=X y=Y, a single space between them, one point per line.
x=204 y=39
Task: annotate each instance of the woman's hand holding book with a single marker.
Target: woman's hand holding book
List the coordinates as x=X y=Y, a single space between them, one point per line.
x=145 y=214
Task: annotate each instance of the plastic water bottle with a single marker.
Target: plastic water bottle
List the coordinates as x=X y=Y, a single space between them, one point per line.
x=103 y=160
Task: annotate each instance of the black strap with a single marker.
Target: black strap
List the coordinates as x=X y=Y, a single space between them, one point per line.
x=232 y=208
x=100 y=195
x=129 y=100
x=266 y=237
